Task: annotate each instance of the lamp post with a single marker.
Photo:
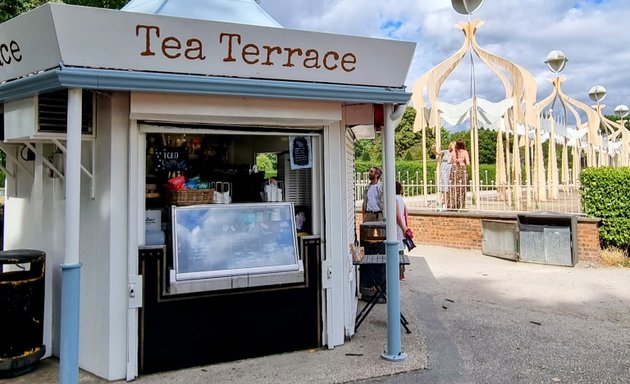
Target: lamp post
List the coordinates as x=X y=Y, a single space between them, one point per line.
x=556 y=61
x=597 y=94
x=621 y=111
x=467 y=7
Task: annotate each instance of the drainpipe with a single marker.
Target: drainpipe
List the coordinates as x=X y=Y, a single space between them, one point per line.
x=394 y=350
x=70 y=269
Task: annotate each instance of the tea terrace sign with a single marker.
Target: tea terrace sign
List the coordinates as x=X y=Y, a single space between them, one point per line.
x=101 y=38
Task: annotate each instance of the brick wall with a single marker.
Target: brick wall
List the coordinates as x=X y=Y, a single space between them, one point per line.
x=463 y=230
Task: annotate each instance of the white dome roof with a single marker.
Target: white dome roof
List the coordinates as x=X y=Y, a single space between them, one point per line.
x=230 y=11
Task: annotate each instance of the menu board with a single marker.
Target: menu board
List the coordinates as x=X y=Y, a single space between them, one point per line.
x=219 y=240
x=169 y=159
x=300 y=151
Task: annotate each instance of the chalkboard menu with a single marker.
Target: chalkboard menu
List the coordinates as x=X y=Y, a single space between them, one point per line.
x=168 y=159
x=217 y=240
x=300 y=152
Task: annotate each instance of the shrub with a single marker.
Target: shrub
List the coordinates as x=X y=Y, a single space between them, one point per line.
x=606 y=195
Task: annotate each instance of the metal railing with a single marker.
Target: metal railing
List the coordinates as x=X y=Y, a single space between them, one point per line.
x=564 y=198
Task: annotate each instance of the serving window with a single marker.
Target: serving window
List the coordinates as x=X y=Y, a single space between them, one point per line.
x=227 y=221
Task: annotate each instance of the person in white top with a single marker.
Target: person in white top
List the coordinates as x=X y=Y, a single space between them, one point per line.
x=401 y=224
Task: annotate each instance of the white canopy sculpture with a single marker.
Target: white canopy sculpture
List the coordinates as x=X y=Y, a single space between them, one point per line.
x=518 y=110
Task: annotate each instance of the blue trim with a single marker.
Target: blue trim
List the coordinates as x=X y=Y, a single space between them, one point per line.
x=105 y=79
x=69 y=334
x=392 y=271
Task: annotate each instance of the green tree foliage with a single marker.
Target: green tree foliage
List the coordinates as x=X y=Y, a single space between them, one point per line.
x=430 y=140
x=110 y=4
x=604 y=194
x=616 y=119
x=362 y=149
x=461 y=135
x=487 y=146
x=408 y=144
x=267 y=162
x=405 y=138
x=12 y=8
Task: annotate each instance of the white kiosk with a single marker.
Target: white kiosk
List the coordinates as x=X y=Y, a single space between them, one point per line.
x=95 y=100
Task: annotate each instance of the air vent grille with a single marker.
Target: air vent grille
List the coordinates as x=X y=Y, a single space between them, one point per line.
x=53 y=112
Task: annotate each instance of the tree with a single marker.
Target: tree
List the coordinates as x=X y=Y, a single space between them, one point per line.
x=12 y=8
x=405 y=137
x=444 y=140
x=267 y=162
x=487 y=146
x=362 y=149
x=614 y=118
x=461 y=135
x=110 y=4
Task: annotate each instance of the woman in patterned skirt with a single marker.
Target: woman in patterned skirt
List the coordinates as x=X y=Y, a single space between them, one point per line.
x=458 y=179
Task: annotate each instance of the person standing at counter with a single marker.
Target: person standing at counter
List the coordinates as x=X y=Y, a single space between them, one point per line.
x=373 y=201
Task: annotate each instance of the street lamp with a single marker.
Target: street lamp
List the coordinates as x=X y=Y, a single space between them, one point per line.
x=466 y=7
x=597 y=94
x=556 y=60
x=621 y=111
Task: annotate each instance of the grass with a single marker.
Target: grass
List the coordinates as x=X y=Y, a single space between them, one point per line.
x=615 y=257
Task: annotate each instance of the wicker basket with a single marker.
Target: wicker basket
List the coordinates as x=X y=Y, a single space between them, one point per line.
x=189 y=196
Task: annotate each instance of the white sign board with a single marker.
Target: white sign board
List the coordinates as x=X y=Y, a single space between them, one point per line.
x=100 y=38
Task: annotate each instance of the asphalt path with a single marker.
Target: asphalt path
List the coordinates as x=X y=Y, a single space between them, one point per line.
x=488 y=320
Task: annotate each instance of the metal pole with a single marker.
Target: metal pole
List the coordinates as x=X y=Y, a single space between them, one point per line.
x=394 y=350
x=71 y=269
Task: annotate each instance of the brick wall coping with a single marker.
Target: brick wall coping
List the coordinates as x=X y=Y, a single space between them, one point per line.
x=488 y=215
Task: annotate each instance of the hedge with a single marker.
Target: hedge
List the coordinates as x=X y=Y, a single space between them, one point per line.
x=411 y=167
x=606 y=195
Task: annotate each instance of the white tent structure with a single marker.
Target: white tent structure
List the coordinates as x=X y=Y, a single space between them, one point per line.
x=229 y=11
x=505 y=116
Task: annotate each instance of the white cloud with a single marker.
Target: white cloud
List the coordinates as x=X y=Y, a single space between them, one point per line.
x=590 y=32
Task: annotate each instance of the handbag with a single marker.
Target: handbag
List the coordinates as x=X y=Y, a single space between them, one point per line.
x=408 y=236
x=408 y=243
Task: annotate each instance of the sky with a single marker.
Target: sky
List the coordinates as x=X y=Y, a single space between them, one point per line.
x=589 y=32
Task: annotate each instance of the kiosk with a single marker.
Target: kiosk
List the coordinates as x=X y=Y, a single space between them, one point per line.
x=131 y=142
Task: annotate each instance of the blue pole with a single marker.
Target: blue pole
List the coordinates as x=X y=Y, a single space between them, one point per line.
x=394 y=349
x=69 y=347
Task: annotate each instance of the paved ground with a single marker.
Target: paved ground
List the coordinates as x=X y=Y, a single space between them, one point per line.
x=476 y=319
x=486 y=320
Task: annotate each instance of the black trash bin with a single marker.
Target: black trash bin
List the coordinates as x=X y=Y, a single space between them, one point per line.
x=372 y=238
x=22 y=278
